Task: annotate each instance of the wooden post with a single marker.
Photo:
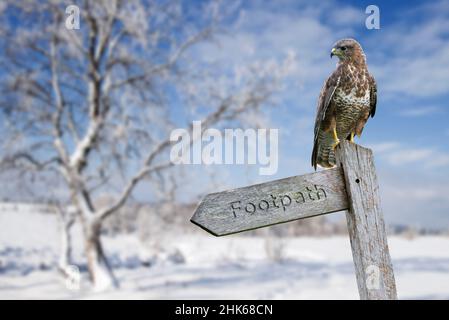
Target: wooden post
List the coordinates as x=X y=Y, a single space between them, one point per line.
x=373 y=267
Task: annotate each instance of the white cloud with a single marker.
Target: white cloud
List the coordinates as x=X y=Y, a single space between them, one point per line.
x=413 y=193
x=415 y=199
x=384 y=146
x=417 y=193
x=407 y=156
x=421 y=111
x=348 y=15
x=396 y=154
x=438 y=160
x=412 y=56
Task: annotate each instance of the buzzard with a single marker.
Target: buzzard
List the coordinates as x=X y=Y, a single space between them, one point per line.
x=347 y=99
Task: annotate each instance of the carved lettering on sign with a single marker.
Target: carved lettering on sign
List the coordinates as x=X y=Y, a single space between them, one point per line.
x=278 y=203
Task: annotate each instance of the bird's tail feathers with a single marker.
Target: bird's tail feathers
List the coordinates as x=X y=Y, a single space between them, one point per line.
x=323 y=153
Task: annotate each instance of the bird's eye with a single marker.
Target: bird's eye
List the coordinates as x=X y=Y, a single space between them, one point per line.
x=343 y=48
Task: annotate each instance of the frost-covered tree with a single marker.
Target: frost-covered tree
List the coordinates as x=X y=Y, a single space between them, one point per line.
x=94 y=106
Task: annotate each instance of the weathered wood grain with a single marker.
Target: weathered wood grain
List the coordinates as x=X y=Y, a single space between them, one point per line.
x=273 y=202
x=374 y=270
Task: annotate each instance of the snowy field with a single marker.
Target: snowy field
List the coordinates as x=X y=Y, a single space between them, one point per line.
x=204 y=267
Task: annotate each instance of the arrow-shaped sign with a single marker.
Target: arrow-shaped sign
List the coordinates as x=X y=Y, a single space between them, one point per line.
x=272 y=202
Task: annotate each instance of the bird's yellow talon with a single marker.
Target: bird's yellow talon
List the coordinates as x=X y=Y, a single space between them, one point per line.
x=336 y=140
x=352 y=137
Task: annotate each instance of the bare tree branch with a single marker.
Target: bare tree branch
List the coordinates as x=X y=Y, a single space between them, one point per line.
x=103 y=97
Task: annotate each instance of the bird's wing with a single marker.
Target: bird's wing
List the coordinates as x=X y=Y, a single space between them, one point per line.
x=373 y=96
x=324 y=100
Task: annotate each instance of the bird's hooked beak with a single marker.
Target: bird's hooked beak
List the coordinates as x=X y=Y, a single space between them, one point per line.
x=334 y=52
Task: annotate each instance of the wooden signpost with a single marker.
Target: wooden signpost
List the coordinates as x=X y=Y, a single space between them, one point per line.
x=351 y=186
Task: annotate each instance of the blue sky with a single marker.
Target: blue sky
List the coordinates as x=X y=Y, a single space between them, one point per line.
x=409 y=57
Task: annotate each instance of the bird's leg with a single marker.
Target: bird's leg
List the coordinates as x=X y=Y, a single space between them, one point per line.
x=335 y=136
x=352 y=137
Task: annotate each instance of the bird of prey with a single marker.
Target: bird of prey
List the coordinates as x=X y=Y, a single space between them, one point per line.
x=346 y=101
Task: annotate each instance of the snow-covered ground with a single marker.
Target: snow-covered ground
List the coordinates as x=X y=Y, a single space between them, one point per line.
x=205 y=267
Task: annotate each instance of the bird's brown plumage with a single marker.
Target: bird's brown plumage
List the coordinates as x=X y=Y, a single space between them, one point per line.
x=346 y=101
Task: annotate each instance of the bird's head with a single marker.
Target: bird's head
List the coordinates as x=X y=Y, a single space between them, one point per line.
x=348 y=50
